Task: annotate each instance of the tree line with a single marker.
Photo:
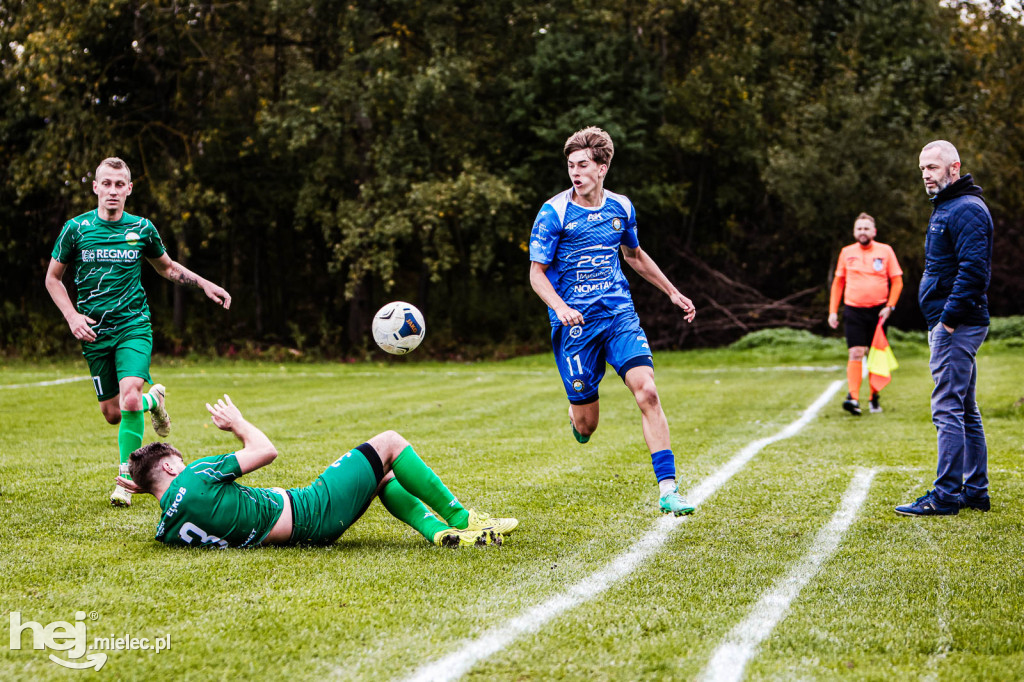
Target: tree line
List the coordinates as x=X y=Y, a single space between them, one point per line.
x=321 y=158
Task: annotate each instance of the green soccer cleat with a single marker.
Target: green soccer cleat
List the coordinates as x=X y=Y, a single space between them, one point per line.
x=161 y=420
x=673 y=503
x=484 y=521
x=120 y=497
x=453 y=537
x=580 y=438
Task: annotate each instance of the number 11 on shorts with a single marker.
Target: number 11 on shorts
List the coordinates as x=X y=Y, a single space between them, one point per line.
x=579 y=365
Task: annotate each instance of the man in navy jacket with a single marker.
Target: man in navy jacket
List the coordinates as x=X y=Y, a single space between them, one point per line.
x=957 y=269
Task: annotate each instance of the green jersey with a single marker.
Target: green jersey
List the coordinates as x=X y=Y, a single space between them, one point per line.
x=204 y=507
x=108 y=267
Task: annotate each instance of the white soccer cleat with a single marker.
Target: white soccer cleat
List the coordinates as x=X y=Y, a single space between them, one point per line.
x=161 y=420
x=120 y=497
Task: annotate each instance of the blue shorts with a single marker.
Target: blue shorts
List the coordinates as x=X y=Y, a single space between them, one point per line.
x=581 y=352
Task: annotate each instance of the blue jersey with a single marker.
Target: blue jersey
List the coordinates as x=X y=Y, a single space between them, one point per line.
x=580 y=245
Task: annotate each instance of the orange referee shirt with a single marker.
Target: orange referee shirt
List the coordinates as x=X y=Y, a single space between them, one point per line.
x=866 y=272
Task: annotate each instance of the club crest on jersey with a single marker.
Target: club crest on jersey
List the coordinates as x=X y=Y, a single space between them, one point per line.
x=617 y=225
x=578 y=385
x=132 y=238
x=575 y=331
x=877 y=265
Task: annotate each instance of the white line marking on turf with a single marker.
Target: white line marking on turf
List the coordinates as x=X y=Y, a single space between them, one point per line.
x=732 y=656
x=469 y=652
x=718 y=479
x=343 y=374
x=784 y=368
x=45 y=383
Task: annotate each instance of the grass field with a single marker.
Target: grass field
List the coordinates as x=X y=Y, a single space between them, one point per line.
x=899 y=597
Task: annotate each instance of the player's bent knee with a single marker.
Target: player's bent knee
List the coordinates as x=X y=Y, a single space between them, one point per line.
x=111 y=410
x=129 y=405
x=388 y=444
x=647 y=396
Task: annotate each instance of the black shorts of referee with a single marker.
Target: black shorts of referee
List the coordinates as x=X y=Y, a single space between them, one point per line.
x=860 y=325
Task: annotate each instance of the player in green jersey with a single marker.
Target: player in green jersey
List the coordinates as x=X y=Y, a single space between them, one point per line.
x=111 y=318
x=202 y=506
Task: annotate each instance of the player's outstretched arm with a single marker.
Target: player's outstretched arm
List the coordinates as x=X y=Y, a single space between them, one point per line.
x=257 y=450
x=542 y=285
x=77 y=322
x=178 y=273
x=645 y=266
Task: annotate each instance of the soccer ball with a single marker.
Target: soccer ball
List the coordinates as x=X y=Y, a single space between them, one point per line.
x=398 y=327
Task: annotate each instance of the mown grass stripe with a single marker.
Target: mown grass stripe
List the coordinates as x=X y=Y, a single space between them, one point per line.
x=469 y=652
x=731 y=657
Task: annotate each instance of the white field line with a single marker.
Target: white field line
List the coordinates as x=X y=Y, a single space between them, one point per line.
x=716 y=480
x=780 y=368
x=278 y=374
x=55 y=382
x=471 y=651
x=740 y=645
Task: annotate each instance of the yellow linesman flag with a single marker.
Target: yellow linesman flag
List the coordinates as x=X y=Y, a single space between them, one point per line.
x=881 y=360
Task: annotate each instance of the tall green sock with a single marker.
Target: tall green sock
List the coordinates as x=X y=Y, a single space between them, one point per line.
x=129 y=434
x=421 y=481
x=410 y=510
x=148 y=402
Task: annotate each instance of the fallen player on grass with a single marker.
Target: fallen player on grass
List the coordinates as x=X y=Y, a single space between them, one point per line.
x=202 y=504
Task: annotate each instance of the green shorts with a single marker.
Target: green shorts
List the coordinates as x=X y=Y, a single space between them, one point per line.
x=116 y=356
x=323 y=510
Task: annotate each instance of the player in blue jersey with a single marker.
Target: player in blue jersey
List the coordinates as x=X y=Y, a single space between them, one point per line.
x=575 y=270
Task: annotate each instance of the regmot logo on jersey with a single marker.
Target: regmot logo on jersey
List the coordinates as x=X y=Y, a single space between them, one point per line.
x=110 y=255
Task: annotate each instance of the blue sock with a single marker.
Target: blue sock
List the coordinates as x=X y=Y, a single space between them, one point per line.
x=664 y=464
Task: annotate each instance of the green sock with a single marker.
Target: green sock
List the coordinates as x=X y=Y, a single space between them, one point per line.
x=129 y=434
x=410 y=510
x=148 y=402
x=421 y=481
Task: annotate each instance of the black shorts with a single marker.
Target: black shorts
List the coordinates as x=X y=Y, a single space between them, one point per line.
x=860 y=325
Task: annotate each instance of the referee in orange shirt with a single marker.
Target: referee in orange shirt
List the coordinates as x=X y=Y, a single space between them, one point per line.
x=869 y=280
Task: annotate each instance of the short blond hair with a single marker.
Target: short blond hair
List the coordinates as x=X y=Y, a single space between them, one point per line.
x=116 y=163
x=595 y=141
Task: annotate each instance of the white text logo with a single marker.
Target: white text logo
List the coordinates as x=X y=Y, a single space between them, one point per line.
x=72 y=638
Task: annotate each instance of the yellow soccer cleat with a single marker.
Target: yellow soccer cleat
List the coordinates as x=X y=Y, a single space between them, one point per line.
x=484 y=521
x=453 y=537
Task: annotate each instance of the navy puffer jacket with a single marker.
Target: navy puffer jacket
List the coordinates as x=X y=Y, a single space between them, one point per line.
x=957 y=258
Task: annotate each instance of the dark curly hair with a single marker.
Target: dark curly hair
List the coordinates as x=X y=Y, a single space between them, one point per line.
x=143 y=462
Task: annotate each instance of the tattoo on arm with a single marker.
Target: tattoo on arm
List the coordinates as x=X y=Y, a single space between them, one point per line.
x=185 y=277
